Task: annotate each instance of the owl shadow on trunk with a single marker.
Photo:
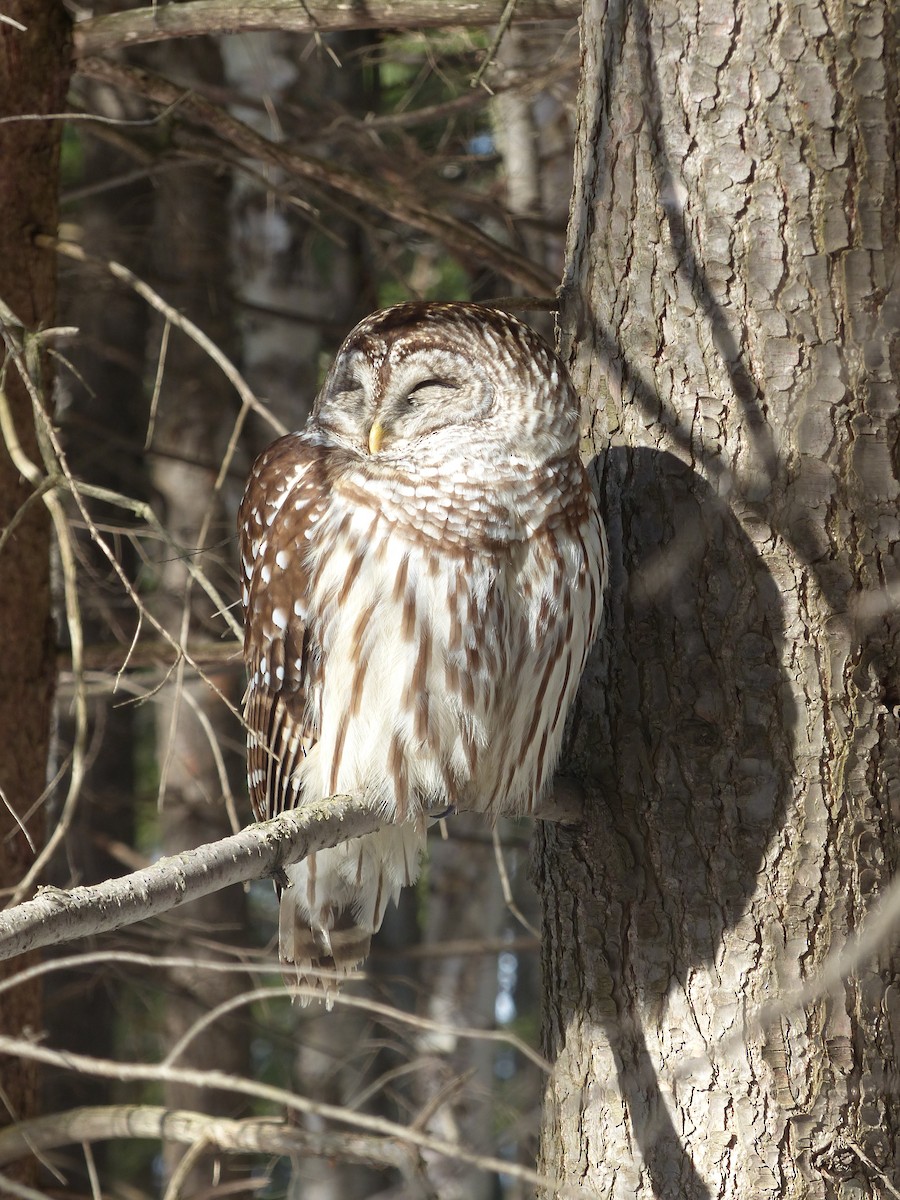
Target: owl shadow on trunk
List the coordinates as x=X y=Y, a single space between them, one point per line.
x=682 y=738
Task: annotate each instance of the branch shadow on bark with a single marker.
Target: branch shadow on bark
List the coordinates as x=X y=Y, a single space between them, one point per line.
x=682 y=739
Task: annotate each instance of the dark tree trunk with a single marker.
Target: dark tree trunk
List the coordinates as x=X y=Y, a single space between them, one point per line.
x=34 y=74
x=103 y=421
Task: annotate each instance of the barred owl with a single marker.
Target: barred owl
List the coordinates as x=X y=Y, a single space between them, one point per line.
x=423 y=569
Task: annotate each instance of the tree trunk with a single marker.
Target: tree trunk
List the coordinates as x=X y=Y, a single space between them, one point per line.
x=102 y=416
x=196 y=411
x=34 y=72
x=730 y=314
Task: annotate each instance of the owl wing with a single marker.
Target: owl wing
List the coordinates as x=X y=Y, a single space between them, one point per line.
x=283 y=500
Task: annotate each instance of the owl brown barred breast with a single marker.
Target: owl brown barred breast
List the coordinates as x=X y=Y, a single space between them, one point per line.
x=423 y=570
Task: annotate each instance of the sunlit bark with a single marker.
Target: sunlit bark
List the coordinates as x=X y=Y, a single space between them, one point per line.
x=731 y=316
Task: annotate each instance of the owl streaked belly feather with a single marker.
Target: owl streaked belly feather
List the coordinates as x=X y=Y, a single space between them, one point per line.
x=417 y=619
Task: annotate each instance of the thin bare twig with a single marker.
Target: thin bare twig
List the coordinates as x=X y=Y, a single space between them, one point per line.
x=24 y=350
x=92 y=1171
x=189 y=1160
x=173 y=316
x=505 y=20
x=148 y=655
x=506 y=886
x=364 y=1004
x=78 y=491
x=866 y=1161
x=391 y=195
x=221 y=1081
x=248 y=964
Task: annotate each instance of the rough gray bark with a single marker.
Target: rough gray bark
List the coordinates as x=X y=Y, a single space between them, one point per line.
x=730 y=313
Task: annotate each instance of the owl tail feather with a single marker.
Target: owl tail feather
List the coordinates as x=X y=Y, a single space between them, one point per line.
x=318 y=958
x=336 y=900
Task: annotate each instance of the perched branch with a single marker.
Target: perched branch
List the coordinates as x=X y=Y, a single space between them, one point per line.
x=100 y=35
x=56 y=916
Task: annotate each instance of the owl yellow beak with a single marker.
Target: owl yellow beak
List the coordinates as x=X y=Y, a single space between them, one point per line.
x=376 y=437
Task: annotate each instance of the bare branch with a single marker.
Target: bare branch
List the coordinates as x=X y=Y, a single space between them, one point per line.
x=102 y=34
x=23 y=348
x=390 y=194
x=363 y=1004
x=149 y=655
x=56 y=916
x=505 y=20
x=220 y=1080
x=173 y=317
x=265 y=1135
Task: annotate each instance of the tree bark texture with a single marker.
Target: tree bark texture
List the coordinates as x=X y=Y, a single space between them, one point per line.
x=730 y=313
x=33 y=79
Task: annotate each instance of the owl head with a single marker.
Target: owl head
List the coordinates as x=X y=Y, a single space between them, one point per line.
x=436 y=378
